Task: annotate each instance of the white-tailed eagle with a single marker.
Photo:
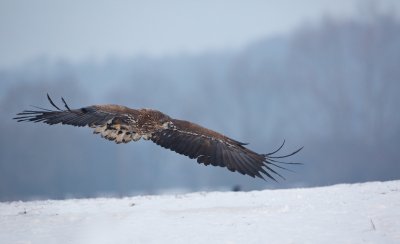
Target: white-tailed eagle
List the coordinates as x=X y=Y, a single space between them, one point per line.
x=122 y=125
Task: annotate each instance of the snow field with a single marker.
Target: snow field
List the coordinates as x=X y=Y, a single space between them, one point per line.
x=346 y=213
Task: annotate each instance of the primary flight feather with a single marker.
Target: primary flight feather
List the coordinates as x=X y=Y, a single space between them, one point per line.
x=122 y=125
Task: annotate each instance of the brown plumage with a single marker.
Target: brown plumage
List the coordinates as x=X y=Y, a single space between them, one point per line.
x=122 y=125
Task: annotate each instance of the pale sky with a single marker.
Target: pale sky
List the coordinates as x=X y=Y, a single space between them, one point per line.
x=93 y=29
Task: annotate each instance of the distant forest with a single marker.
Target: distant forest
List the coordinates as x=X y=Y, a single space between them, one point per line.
x=332 y=87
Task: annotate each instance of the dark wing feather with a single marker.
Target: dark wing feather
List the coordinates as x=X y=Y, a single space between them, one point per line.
x=112 y=121
x=210 y=147
x=87 y=116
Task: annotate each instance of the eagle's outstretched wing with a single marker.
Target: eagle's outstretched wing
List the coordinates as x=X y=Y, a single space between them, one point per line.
x=112 y=122
x=210 y=147
x=123 y=124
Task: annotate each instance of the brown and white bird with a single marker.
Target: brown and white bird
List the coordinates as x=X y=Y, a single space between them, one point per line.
x=122 y=125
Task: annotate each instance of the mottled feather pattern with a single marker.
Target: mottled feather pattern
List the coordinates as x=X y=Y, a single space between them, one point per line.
x=122 y=125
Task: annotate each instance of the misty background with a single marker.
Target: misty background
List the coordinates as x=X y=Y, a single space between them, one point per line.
x=320 y=75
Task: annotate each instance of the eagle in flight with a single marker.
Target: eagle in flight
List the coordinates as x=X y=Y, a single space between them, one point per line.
x=122 y=125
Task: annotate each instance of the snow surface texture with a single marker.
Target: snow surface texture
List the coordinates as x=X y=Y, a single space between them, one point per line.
x=357 y=213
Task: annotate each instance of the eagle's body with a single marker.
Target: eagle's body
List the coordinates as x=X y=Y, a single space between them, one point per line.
x=122 y=125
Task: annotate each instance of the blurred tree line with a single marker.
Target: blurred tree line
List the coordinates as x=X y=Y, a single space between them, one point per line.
x=331 y=87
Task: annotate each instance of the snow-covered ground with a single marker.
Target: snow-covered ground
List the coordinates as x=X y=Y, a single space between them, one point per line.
x=356 y=213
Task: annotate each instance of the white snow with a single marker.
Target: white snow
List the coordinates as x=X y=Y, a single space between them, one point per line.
x=347 y=213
